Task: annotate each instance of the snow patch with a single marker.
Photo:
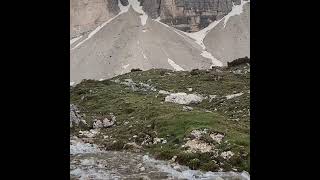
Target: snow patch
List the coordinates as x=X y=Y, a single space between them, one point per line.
x=174 y=65
x=144 y=56
x=123 y=9
x=125 y=66
x=236 y=10
x=142 y=52
x=227 y=154
x=200 y=35
x=72 y=83
x=214 y=60
x=158 y=20
x=75 y=39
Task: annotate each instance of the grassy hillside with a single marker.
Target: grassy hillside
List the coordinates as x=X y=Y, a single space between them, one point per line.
x=143 y=116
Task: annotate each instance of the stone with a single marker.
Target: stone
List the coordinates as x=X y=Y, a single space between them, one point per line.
x=226 y=154
x=231 y=96
x=75 y=117
x=173 y=159
x=97 y=124
x=108 y=123
x=133 y=146
x=211 y=97
x=196 y=145
x=184 y=98
x=163 y=92
x=217 y=137
x=142 y=169
x=156 y=140
x=139 y=165
x=187 y=108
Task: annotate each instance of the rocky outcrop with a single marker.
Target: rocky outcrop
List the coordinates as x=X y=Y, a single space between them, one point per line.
x=124 y=2
x=184 y=98
x=75 y=117
x=86 y=15
x=151 y=7
x=188 y=15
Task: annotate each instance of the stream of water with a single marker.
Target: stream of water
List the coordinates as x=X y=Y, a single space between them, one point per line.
x=87 y=161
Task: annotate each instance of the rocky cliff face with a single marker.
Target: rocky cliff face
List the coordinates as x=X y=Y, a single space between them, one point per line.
x=188 y=15
x=85 y=15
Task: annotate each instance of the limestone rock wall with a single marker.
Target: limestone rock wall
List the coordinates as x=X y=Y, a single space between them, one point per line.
x=86 y=15
x=188 y=15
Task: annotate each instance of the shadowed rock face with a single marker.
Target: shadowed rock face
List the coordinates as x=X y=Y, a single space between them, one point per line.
x=188 y=15
x=124 y=2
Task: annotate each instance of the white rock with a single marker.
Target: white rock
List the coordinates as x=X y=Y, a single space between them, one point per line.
x=195 y=145
x=217 y=137
x=184 y=98
x=189 y=89
x=156 y=140
x=234 y=95
x=211 y=97
x=97 y=124
x=89 y=134
x=227 y=154
x=108 y=123
x=164 y=92
x=174 y=158
x=187 y=108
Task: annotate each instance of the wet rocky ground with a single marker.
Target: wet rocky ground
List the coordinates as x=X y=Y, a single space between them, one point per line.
x=89 y=162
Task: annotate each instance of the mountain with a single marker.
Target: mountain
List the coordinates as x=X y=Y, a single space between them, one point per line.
x=188 y=15
x=149 y=34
